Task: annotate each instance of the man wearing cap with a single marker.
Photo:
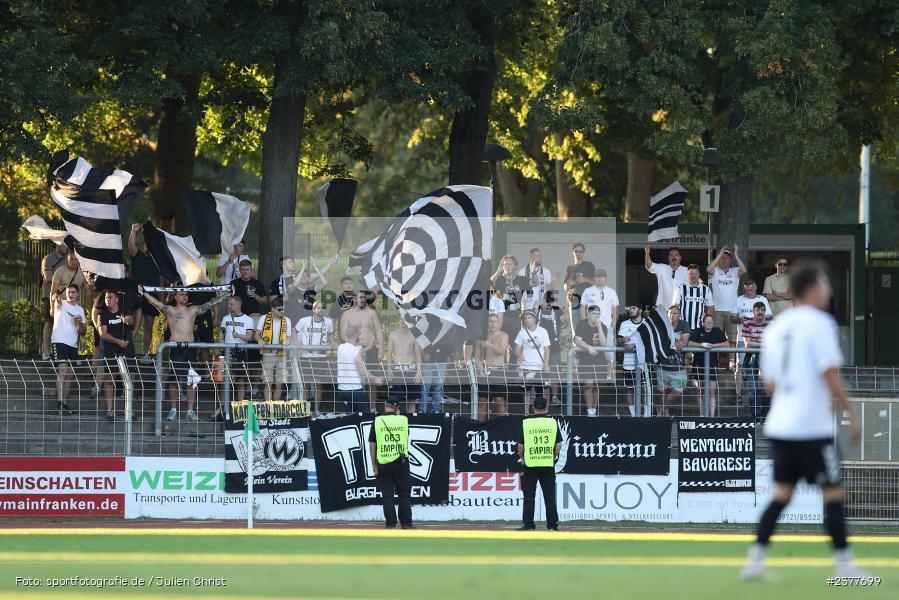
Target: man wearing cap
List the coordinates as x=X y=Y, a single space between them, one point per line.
x=532 y=351
x=724 y=279
x=538 y=446
x=389 y=443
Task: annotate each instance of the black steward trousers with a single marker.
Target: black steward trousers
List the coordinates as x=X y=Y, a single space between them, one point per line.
x=395 y=477
x=547 y=478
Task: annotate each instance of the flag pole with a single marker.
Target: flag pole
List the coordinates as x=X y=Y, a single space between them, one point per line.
x=250 y=478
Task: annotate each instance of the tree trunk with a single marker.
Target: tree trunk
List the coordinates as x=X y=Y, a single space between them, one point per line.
x=639 y=188
x=736 y=214
x=281 y=145
x=175 y=154
x=468 y=133
x=569 y=200
x=521 y=196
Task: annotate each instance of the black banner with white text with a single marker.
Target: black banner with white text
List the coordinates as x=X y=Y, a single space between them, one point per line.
x=280 y=452
x=589 y=445
x=343 y=460
x=716 y=455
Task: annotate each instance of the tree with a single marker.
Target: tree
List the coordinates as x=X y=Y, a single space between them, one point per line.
x=741 y=76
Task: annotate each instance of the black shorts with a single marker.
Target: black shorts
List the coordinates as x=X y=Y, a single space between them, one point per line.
x=45 y=310
x=63 y=352
x=494 y=384
x=816 y=461
x=628 y=378
x=181 y=359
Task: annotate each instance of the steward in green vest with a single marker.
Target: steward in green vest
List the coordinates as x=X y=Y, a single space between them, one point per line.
x=389 y=444
x=538 y=447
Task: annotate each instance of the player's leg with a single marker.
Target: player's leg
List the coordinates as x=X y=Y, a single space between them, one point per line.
x=787 y=471
x=826 y=469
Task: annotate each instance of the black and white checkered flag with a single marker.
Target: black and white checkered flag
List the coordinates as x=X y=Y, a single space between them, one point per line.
x=434 y=262
x=93 y=203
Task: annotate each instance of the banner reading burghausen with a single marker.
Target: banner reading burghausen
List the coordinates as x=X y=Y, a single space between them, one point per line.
x=343 y=460
x=590 y=445
x=280 y=451
x=716 y=455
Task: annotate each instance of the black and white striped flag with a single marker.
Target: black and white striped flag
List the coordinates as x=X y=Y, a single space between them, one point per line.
x=177 y=257
x=434 y=262
x=665 y=208
x=216 y=221
x=93 y=203
x=657 y=336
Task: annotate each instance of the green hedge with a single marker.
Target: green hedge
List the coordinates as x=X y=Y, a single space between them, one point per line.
x=21 y=324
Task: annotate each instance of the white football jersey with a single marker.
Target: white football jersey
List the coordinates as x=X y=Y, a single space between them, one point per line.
x=797 y=348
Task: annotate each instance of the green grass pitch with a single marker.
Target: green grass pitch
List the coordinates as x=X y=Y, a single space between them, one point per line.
x=471 y=564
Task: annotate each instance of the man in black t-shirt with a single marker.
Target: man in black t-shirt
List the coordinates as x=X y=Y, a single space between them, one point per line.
x=513 y=288
x=116 y=325
x=708 y=336
x=251 y=291
x=589 y=334
x=581 y=280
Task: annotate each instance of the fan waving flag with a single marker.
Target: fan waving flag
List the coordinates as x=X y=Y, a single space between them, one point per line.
x=336 y=199
x=216 y=221
x=434 y=262
x=93 y=203
x=657 y=336
x=176 y=257
x=665 y=208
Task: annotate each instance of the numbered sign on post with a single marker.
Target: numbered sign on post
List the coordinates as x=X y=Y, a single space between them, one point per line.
x=709 y=198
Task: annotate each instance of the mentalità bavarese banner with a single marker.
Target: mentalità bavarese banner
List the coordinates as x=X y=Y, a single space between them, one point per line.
x=280 y=451
x=589 y=445
x=343 y=460
x=716 y=455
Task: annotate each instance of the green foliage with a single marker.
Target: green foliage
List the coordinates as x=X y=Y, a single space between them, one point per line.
x=22 y=321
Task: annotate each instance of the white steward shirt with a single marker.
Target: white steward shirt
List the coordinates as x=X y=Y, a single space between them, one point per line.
x=667 y=279
x=724 y=286
x=797 y=348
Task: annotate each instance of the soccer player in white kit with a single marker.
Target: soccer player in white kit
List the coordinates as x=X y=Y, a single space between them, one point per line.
x=800 y=364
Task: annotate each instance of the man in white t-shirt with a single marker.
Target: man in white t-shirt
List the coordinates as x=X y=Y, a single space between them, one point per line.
x=539 y=277
x=274 y=328
x=800 y=363
x=743 y=310
x=68 y=327
x=532 y=352
x=315 y=330
x=238 y=329
x=632 y=364
x=724 y=279
x=351 y=373
x=668 y=276
x=228 y=267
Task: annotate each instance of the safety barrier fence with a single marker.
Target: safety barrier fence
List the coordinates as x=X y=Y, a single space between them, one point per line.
x=57 y=408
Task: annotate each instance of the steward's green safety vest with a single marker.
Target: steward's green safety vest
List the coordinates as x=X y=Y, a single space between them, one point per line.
x=391 y=437
x=539 y=441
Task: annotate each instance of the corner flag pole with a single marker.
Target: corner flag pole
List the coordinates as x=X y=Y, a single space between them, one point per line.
x=250 y=429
